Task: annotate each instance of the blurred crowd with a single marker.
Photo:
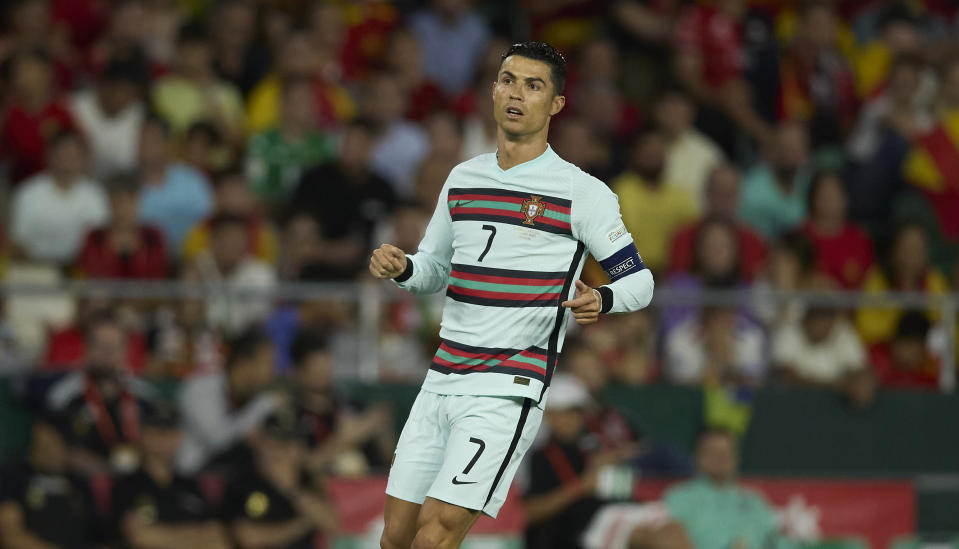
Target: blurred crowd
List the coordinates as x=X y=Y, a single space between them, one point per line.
x=769 y=146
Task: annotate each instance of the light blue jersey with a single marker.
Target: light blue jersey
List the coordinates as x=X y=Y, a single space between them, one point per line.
x=507 y=246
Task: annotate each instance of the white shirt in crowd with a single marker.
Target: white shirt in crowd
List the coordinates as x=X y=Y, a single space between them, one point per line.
x=689 y=159
x=686 y=355
x=826 y=361
x=49 y=222
x=114 y=141
x=233 y=312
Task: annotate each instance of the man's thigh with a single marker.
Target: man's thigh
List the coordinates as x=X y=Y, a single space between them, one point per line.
x=420 y=450
x=487 y=440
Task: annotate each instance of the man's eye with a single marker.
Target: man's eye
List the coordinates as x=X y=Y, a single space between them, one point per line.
x=534 y=86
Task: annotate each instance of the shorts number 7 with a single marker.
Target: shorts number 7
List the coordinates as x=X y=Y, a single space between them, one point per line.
x=479 y=452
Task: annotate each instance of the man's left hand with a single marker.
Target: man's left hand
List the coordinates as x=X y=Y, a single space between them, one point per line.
x=586 y=305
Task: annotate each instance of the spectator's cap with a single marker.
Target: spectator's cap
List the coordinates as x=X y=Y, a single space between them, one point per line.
x=161 y=415
x=567 y=392
x=282 y=425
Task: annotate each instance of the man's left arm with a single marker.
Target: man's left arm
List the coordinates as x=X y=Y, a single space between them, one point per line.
x=601 y=228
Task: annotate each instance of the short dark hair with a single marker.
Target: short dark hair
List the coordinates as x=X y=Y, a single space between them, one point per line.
x=193 y=33
x=818 y=180
x=306 y=343
x=122 y=183
x=244 y=346
x=223 y=220
x=541 y=51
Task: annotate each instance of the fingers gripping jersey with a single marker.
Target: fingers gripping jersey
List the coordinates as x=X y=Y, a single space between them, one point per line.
x=507 y=246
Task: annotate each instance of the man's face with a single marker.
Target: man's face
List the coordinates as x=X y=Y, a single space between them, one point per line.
x=234 y=197
x=125 y=206
x=194 y=58
x=587 y=366
x=69 y=158
x=316 y=372
x=298 y=106
x=565 y=425
x=355 y=152
x=722 y=193
x=107 y=349
x=116 y=95
x=792 y=147
x=230 y=245
x=161 y=442
x=717 y=458
x=674 y=114
x=153 y=145
x=254 y=373
x=649 y=157
x=524 y=98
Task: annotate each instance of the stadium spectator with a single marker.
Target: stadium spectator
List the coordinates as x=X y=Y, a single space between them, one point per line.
x=479 y=126
x=790 y=267
x=906 y=269
x=565 y=505
x=230 y=263
x=33 y=115
x=714 y=56
x=399 y=145
x=52 y=210
x=716 y=266
x=41 y=503
x=714 y=509
x=899 y=34
x=773 y=199
x=102 y=404
x=203 y=148
x=574 y=141
x=173 y=196
x=690 y=156
x=193 y=91
x=821 y=350
x=298 y=57
x=346 y=199
x=721 y=197
x=445 y=132
x=887 y=127
x=652 y=206
x=237 y=58
x=220 y=410
x=404 y=57
x=179 y=340
x=906 y=361
x=843 y=250
x=278 y=503
x=276 y=158
x=232 y=196
x=453 y=38
x=718 y=345
x=342 y=438
x=111 y=114
x=928 y=166
x=816 y=83
x=154 y=506
x=66 y=346
x=124 y=248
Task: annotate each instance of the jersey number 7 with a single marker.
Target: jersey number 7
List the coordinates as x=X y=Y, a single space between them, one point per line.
x=489 y=243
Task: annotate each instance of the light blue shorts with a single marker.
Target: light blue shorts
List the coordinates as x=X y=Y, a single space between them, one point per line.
x=462 y=449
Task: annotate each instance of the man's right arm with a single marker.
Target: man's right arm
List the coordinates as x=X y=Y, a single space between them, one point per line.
x=427 y=271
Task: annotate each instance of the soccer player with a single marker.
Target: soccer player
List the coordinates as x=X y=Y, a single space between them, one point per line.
x=507 y=240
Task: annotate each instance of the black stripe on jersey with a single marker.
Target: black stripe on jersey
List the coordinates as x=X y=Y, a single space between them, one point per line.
x=513 y=194
x=510 y=221
x=491 y=302
x=524 y=413
x=510 y=273
x=490 y=370
x=551 y=352
x=491 y=350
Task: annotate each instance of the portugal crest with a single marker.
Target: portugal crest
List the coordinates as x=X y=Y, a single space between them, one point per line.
x=532 y=209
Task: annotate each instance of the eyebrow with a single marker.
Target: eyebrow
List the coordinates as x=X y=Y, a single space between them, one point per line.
x=528 y=79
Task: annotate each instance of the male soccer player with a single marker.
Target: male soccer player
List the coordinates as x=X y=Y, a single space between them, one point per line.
x=507 y=240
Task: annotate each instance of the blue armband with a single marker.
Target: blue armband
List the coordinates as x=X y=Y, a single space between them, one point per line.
x=623 y=263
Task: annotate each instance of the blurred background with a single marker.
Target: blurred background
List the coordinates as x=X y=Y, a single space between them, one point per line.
x=192 y=352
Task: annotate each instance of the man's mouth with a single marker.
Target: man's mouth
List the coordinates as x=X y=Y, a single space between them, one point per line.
x=513 y=112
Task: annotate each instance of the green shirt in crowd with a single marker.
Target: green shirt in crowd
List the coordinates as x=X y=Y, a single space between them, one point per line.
x=723 y=517
x=274 y=164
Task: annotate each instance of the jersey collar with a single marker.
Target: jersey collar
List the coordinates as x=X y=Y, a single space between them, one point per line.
x=533 y=164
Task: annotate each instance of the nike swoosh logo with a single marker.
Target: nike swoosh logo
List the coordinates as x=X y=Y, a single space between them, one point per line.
x=463 y=203
x=458 y=482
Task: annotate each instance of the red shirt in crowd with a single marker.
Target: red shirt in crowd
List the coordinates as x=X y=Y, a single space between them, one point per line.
x=717 y=39
x=24 y=135
x=845 y=256
x=888 y=375
x=752 y=250
x=426 y=99
x=67 y=350
x=98 y=259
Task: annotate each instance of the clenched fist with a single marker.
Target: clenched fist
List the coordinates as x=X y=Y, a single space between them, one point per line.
x=387 y=261
x=586 y=305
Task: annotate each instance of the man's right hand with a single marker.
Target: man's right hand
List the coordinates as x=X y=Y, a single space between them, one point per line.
x=387 y=261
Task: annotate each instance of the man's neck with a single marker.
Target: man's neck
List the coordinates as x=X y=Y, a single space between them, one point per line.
x=515 y=151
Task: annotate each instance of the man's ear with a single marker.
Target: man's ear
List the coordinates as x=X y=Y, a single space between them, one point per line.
x=559 y=102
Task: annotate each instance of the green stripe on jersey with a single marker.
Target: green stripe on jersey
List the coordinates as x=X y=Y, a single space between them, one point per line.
x=509 y=206
x=506 y=288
